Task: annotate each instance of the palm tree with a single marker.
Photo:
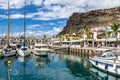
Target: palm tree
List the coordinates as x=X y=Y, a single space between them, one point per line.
x=108 y=33
x=60 y=37
x=70 y=32
x=80 y=35
x=67 y=37
x=115 y=29
x=87 y=31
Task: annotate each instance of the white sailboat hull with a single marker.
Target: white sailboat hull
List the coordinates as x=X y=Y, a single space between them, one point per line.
x=23 y=53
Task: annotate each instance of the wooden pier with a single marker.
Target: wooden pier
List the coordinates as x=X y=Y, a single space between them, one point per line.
x=79 y=50
x=74 y=50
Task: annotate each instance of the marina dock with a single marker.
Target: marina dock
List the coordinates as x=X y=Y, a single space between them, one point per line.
x=59 y=40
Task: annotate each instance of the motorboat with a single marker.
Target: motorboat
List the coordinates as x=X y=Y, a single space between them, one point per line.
x=108 y=61
x=9 y=52
x=41 y=50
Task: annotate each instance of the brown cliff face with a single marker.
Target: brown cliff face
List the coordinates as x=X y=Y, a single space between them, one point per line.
x=95 y=18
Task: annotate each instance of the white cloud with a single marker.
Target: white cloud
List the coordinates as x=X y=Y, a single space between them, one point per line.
x=49 y=33
x=17 y=34
x=16 y=16
x=58 y=8
x=31 y=33
x=65 y=8
x=17 y=4
x=3 y=16
x=51 y=23
x=37 y=2
x=33 y=26
x=12 y=16
x=61 y=22
x=57 y=29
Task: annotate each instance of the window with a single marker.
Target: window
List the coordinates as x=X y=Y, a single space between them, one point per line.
x=24 y=49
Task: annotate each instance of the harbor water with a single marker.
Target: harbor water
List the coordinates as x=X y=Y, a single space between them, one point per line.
x=53 y=67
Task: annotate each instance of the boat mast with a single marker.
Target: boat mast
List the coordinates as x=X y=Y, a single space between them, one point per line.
x=8 y=36
x=24 y=21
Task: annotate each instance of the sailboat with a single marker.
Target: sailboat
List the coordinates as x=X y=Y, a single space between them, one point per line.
x=9 y=51
x=24 y=50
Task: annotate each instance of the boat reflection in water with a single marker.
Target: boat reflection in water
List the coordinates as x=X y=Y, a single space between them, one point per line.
x=41 y=61
x=53 y=67
x=8 y=62
x=23 y=64
x=83 y=60
x=23 y=59
x=78 y=66
x=101 y=75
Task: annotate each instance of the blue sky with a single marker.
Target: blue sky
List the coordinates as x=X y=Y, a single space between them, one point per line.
x=45 y=17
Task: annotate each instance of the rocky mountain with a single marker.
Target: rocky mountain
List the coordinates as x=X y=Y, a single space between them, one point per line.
x=94 y=18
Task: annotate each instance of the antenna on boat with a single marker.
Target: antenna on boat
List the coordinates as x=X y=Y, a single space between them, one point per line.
x=24 y=22
x=2 y=32
x=19 y=32
x=8 y=36
x=85 y=36
x=107 y=23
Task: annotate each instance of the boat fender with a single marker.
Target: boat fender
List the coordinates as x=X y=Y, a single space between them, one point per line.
x=114 y=66
x=106 y=66
x=96 y=62
x=9 y=63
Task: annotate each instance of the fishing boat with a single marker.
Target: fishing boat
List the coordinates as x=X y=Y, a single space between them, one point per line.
x=24 y=51
x=41 y=50
x=8 y=51
x=108 y=61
